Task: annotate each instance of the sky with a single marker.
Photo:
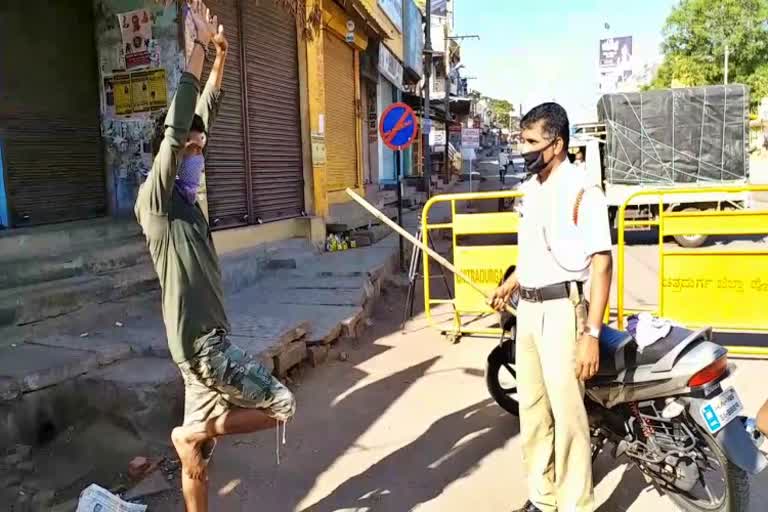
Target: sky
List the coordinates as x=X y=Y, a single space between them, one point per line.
x=535 y=51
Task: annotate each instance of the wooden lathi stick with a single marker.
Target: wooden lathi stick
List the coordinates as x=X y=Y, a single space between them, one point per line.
x=421 y=245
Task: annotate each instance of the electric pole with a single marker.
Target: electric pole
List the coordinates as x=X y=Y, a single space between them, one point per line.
x=427 y=124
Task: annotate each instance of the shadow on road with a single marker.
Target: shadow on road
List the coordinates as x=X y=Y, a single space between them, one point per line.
x=440 y=456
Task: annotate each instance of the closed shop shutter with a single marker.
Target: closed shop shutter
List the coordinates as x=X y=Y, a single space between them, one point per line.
x=226 y=168
x=274 y=127
x=340 y=127
x=49 y=112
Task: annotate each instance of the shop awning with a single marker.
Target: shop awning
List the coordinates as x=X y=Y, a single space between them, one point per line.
x=459 y=105
x=369 y=17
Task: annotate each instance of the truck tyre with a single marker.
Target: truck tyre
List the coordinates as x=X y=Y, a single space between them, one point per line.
x=690 y=241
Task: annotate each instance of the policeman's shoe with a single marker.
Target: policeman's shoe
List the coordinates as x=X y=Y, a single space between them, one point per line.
x=528 y=507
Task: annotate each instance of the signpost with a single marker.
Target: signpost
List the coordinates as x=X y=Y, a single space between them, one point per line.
x=398 y=128
x=470 y=139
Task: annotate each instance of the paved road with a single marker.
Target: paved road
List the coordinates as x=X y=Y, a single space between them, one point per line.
x=406 y=424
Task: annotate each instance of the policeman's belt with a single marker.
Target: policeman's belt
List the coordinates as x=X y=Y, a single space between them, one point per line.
x=551 y=292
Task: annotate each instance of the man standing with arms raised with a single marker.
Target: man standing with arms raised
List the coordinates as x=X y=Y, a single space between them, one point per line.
x=564 y=238
x=226 y=390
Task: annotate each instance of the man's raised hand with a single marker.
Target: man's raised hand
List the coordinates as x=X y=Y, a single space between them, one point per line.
x=204 y=23
x=222 y=45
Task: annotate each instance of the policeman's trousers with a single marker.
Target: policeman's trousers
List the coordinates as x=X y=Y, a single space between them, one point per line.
x=553 y=421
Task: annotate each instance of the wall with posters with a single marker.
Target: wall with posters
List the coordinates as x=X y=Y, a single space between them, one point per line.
x=140 y=63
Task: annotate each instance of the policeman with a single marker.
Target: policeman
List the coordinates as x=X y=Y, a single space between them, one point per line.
x=564 y=238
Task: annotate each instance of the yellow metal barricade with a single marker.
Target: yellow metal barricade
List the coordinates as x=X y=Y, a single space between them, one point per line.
x=719 y=286
x=484 y=264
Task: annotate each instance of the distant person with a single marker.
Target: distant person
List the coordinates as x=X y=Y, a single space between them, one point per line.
x=503 y=164
x=578 y=161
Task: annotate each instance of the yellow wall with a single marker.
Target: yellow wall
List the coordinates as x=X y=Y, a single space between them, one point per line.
x=334 y=19
x=395 y=43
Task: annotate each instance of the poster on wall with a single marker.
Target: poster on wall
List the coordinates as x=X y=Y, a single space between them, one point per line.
x=158 y=92
x=136 y=29
x=139 y=92
x=122 y=92
x=133 y=93
x=109 y=97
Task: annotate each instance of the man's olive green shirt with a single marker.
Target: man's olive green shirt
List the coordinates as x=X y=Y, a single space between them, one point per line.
x=178 y=234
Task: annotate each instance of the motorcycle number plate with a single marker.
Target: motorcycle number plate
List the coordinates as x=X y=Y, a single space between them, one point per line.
x=721 y=410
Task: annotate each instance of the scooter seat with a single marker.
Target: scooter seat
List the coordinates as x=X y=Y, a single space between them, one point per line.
x=655 y=351
x=619 y=350
x=612 y=346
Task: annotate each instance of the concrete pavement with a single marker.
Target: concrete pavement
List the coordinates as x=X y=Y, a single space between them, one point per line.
x=406 y=424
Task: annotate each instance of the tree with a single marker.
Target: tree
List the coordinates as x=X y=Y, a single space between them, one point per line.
x=697 y=34
x=501 y=110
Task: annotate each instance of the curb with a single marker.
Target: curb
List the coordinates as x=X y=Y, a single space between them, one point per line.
x=43 y=397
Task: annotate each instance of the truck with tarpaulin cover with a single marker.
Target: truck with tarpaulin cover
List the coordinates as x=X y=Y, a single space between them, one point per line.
x=693 y=137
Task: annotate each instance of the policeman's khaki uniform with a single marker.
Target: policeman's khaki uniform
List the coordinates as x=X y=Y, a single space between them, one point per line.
x=554 y=250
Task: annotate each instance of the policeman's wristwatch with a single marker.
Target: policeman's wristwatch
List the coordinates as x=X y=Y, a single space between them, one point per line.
x=594 y=332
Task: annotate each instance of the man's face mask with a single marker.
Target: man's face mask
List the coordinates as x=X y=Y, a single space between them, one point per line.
x=189 y=176
x=534 y=160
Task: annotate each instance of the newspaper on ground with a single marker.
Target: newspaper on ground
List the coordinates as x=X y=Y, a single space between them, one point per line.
x=97 y=499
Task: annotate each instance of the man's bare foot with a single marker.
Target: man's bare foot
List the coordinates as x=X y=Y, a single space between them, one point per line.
x=188 y=443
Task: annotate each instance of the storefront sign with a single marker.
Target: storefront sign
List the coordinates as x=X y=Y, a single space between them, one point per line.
x=394 y=11
x=470 y=138
x=390 y=67
x=413 y=52
x=437 y=138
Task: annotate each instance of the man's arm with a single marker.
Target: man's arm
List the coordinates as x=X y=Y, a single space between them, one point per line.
x=601 y=271
x=597 y=237
x=208 y=104
x=504 y=292
x=179 y=117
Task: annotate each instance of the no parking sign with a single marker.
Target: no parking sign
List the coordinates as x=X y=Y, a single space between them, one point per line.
x=398 y=126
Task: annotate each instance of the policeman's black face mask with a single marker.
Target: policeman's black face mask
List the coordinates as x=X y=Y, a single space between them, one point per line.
x=534 y=160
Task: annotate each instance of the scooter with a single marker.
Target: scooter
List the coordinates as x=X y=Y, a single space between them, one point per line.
x=669 y=408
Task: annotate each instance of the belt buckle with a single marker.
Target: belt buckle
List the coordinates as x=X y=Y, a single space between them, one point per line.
x=532 y=294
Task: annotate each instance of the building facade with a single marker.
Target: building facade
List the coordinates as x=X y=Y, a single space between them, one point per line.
x=77 y=138
x=297 y=126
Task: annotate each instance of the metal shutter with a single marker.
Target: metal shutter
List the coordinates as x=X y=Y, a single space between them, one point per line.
x=274 y=126
x=340 y=132
x=49 y=112
x=226 y=165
